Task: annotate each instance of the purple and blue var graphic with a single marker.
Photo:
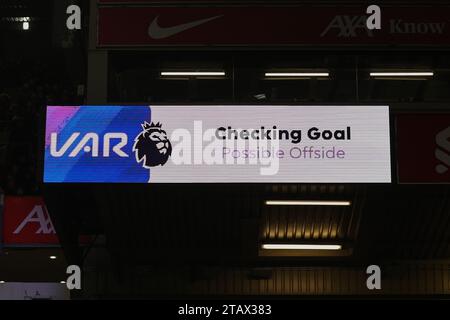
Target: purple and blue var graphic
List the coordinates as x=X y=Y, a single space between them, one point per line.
x=94 y=144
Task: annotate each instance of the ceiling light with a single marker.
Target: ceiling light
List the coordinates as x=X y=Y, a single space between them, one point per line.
x=193 y=73
x=297 y=74
x=1 y=281
x=274 y=246
x=401 y=74
x=306 y=203
x=62 y=282
x=25 y=25
x=52 y=257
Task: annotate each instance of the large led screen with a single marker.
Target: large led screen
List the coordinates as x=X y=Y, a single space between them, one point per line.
x=217 y=144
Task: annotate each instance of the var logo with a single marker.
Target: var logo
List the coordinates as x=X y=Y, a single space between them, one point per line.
x=443 y=142
x=89 y=143
x=41 y=217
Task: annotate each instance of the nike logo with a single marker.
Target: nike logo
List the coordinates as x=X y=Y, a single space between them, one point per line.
x=157 y=32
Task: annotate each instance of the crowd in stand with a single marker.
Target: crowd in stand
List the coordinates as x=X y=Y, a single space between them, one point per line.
x=26 y=87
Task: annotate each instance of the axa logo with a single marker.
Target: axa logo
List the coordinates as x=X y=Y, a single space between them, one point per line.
x=113 y=142
x=347 y=26
x=40 y=217
x=152 y=146
x=352 y=26
x=442 y=151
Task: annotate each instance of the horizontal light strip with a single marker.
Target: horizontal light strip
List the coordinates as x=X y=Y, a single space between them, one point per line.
x=192 y=73
x=301 y=246
x=306 y=203
x=297 y=74
x=401 y=74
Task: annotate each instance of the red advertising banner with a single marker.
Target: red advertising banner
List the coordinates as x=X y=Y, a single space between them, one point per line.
x=27 y=222
x=266 y=26
x=423 y=148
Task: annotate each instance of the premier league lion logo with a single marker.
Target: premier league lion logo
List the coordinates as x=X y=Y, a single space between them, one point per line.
x=151 y=146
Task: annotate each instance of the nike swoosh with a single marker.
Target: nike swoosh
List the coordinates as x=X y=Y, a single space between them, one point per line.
x=157 y=32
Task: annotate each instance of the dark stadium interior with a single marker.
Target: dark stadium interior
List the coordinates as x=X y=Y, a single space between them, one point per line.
x=190 y=240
